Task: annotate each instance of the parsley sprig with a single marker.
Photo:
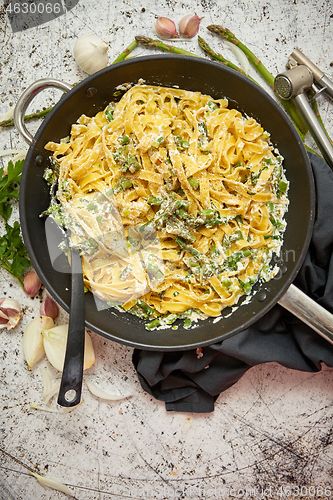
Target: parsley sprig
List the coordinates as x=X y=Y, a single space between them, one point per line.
x=9 y=187
x=13 y=254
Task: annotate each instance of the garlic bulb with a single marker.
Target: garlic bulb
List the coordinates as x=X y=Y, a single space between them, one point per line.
x=165 y=28
x=90 y=53
x=189 y=25
x=55 y=340
x=10 y=313
x=33 y=348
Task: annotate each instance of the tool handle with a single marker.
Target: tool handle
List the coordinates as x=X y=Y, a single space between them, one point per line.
x=72 y=375
x=302 y=59
x=327 y=85
x=318 y=75
x=307 y=310
x=323 y=141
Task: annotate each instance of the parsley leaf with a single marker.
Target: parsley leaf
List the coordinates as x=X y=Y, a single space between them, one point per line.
x=8 y=188
x=13 y=254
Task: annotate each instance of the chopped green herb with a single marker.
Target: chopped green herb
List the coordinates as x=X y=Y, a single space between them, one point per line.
x=274 y=237
x=125 y=272
x=158 y=142
x=125 y=140
x=123 y=184
x=275 y=222
x=255 y=177
x=181 y=143
x=154 y=270
x=212 y=105
x=92 y=207
x=154 y=200
x=246 y=286
x=283 y=186
x=208 y=213
x=153 y=324
x=146 y=308
x=246 y=252
x=193 y=182
x=187 y=323
x=109 y=113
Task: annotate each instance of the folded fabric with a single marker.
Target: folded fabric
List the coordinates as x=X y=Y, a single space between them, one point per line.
x=191 y=381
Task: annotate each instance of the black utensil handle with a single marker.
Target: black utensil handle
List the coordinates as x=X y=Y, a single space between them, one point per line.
x=71 y=381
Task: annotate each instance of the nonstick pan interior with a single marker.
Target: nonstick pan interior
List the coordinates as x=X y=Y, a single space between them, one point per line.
x=191 y=73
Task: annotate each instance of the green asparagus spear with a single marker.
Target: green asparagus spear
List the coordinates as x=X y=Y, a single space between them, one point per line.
x=209 y=51
x=227 y=35
x=33 y=116
x=289 y=106
x=125 y=52
x=149 y=42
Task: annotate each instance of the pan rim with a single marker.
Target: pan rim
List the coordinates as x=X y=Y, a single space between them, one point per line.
x=148 y=346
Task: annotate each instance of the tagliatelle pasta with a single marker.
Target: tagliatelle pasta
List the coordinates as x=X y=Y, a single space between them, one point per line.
x=175 y=200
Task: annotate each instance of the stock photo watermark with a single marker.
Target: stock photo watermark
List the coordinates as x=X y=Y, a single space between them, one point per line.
x=27 y=14
x=224 y=492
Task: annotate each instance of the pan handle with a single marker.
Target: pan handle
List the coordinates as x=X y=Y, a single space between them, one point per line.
x=307 y=310
x=28 y=95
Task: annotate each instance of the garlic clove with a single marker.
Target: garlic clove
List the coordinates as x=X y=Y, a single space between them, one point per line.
x=47 y=483
x=55 y=340
x=10 y=313
x=33 y=347
x=242 y=58
x=31 y=283
x=47 y=381
x=90 y=53
x=49 y=308
x=100 y=393
x=189 y=25
x=165 y=28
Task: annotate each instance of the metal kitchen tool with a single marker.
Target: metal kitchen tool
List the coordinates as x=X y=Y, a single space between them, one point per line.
x=295 y=83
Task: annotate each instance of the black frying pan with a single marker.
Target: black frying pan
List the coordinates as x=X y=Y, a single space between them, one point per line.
x=91 y=96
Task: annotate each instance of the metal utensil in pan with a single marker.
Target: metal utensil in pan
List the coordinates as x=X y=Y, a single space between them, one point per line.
x=196 y=74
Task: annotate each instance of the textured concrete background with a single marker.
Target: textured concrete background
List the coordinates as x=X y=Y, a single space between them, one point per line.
x=270 y=435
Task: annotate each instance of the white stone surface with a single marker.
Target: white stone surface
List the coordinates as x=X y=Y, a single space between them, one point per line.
x=270 y=435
